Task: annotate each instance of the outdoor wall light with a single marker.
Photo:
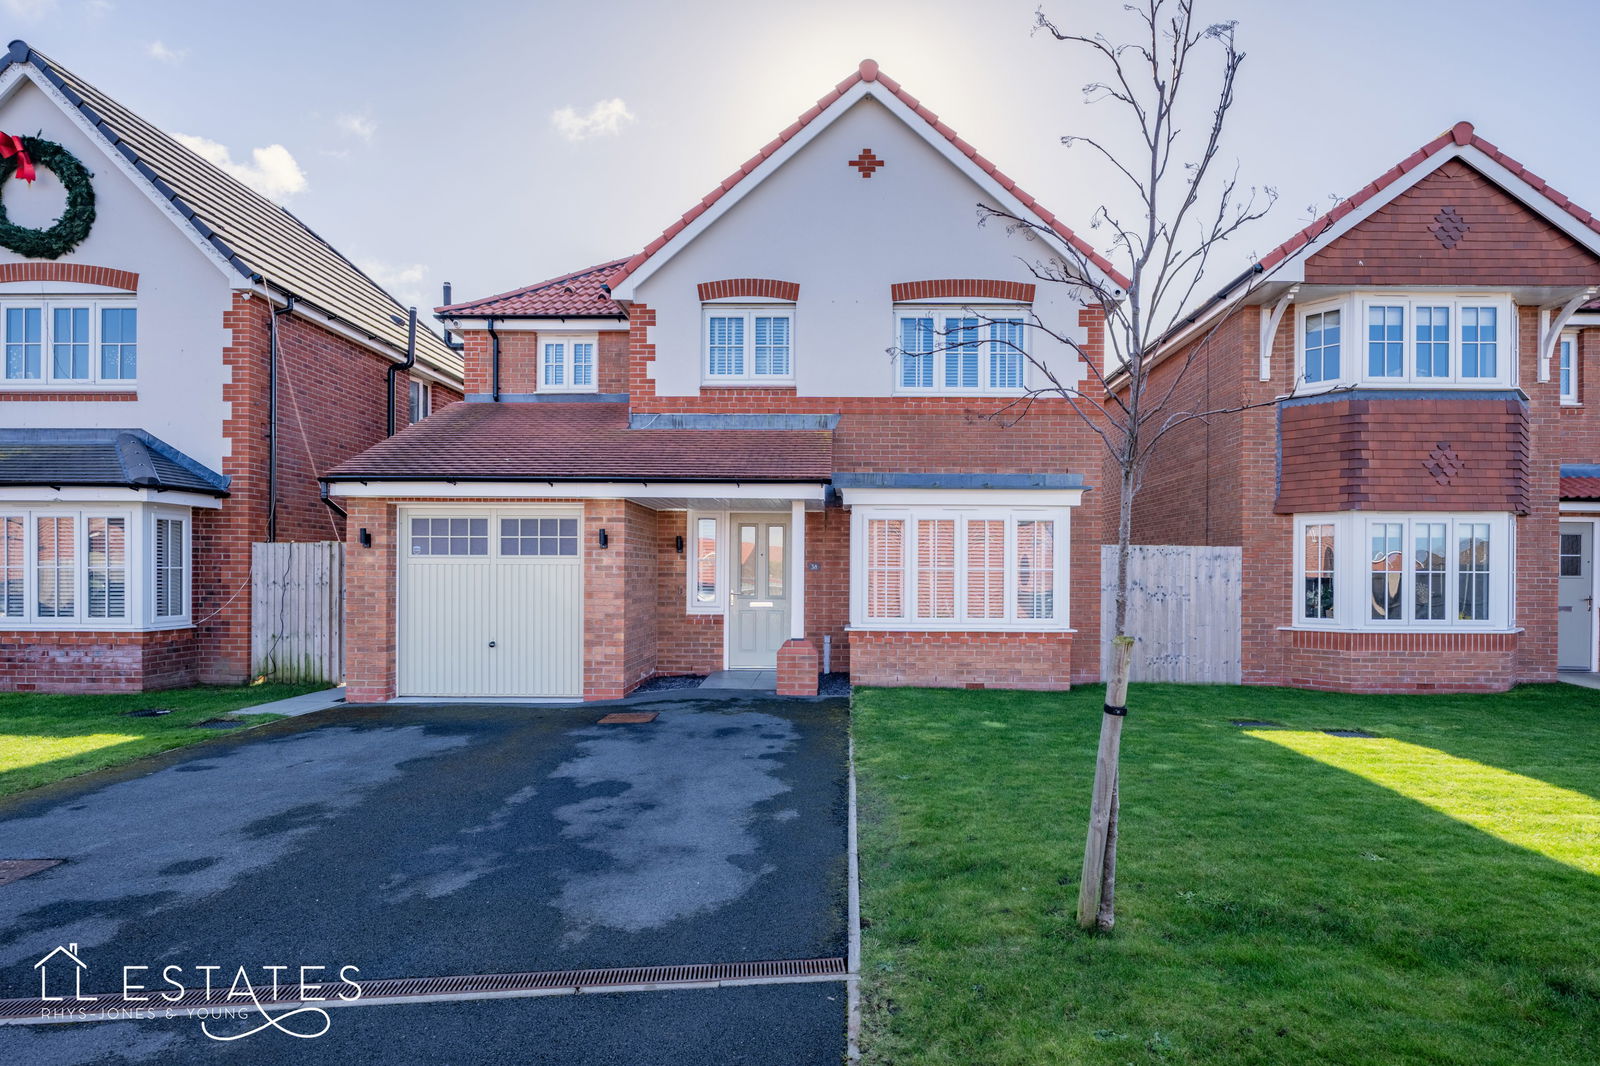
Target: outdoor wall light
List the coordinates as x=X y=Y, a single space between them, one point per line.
x=679 y=541
x=364 y=537
x=604 y=540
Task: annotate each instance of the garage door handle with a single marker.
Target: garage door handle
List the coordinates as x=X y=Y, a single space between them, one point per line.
x=491 y=644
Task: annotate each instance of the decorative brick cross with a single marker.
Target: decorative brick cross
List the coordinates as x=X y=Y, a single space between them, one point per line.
x=1449 y=227
x=1444 y=464
x=866 y=162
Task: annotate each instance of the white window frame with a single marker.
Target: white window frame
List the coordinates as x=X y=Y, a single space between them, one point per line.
x=419 y=401
x=1011 y=622
x=566 y=341
x=47 y=305
x=942 y=354
x=1353 y=573
x=1353 y=354
x=139 y=591
x=493 y=553
x=718 y=604
x=1567 y=369
x=749 y=312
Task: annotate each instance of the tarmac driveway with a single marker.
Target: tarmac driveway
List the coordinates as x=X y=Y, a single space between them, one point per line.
x=434 y=840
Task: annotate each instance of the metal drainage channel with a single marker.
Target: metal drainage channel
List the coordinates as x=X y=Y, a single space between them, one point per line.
x=545 y=982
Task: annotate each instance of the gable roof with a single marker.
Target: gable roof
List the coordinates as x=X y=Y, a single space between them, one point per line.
x=581 y=294
x=1451 y=142
x=869 y=76
x=259 y=239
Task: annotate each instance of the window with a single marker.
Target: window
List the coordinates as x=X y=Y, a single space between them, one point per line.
x=1426 y=339
x=449 y=536
x=932 y=568
x=959 y=351
x=749 y=344
x=537 y=536
x=1428 y=570
x=71 y=568
x=1571 y=555
x=567 y=364
x=1568 y=349
x=421 y=400
x=704 y=591
x=65 y=340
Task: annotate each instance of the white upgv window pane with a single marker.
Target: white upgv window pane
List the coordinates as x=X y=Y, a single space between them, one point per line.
x=1036 y=569
x=705 y=561
x=119 y=343
x=1386 y=341
x=1322 y=346
x=961 y=353
x=420 y=401
x=936 y=568
x=1005 y=354
x=107 y=559
x=1318 y=570
x=1388 y=557
x=538 y=536
x=583 y=363
x=555 y=356
x=1569 y=368
x=916 y=353
x=24 y=342
x=885 y=568
x=1479 y=342
x=69 y=342
x=772 y=345
x=986 y=568
x=449 y=536
x=1433 y=342
x=169 y=568
x=1473 y=598
x=55 y=576
x=13 y=530
x=1429 y=560
x=725 y=345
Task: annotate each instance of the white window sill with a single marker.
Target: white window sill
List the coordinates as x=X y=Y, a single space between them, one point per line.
x=35 y=385
x=94 y=625
x=955 y=627
x=747 y=383
x=1571 y=403
x=1402 y=630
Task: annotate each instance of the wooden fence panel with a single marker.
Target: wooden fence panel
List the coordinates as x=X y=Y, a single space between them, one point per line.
x=297 y=611
x=1183 y=611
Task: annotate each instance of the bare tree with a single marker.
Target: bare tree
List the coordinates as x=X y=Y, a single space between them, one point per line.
x=1173 y=83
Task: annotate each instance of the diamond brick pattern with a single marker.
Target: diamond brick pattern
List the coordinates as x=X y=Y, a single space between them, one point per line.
x=866 y=162
x=1449 y=227
x=1443 y=463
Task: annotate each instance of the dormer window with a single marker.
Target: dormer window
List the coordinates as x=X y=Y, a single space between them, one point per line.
x=749 y=345
x=1424 y=339
x=70 y=340
x=567 y=362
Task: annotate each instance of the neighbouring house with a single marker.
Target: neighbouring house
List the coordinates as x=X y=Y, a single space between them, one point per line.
x=1416 y=500
x=704 y=456
x=181 y=358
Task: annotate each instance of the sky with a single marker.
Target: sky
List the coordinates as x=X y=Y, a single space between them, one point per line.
x=493 y=143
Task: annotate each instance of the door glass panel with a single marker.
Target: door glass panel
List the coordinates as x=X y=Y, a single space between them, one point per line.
x=747 y=560
x=1572 y=555
x=775 y=553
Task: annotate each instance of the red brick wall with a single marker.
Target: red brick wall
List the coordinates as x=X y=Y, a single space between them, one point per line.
x=370 y=576
x=1505 y=244
x=685 y=643
x=1353 y=453
x=962 y=659
x=78 y=661
x=519 y=353
x=1398 y=662
x=619 y=598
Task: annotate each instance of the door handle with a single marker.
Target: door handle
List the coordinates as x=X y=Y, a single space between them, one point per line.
x=491 y=644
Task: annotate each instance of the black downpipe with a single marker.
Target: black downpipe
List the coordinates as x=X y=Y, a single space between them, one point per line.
x=411 y=361
x=494 y=360
x=272 y=412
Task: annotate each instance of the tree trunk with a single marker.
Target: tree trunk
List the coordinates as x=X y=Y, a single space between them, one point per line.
x=1098 y=887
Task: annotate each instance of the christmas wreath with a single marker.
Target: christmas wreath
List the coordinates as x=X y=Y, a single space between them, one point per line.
x=19 y=156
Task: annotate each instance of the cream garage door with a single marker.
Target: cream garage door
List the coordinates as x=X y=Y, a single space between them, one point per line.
x=491 y=603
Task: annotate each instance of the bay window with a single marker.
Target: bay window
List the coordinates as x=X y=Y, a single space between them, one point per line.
x=93 y=568
x=69 y=340
x=567 y=363
x=1426 y=339
x=959 y=568
x=749 y=345
x=1357 y=570
x=948 y=350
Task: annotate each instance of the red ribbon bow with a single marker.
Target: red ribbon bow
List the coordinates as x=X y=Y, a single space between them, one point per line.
x=12 y=146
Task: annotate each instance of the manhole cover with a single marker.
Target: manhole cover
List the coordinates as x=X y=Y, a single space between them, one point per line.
x=629 y=718
x=149 y=712
x=1350 y=733
x=16 y=869
x=218 y=723
x=1255 y=723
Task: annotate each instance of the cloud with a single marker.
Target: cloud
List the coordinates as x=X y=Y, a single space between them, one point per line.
x=273 y=172
x=30 y=10
x=404 y=283
x=98 y=9
x=158 y=50
x=605 y=119
x=359 y=126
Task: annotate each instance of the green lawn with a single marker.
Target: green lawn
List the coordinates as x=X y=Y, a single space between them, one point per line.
x=45 y=738
x=1284 y=896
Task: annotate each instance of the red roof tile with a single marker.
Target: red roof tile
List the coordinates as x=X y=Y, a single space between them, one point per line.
x=583 y=441
x=582 y=293
x=868 y=71
x=1580 y=488
x=1461 y=134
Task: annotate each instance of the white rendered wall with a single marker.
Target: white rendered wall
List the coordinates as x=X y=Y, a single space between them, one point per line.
x=845 y=240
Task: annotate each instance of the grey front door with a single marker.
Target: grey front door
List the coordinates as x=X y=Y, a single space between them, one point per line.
x=1576 y=597
x=758 y=603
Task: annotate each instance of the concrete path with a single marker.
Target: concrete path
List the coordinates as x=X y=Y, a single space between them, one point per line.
x=298 y=705
x=419 y=841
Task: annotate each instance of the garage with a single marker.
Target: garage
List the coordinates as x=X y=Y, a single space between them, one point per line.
x=490 y=603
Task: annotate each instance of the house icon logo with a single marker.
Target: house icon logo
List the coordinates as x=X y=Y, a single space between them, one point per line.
x=68 y=958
